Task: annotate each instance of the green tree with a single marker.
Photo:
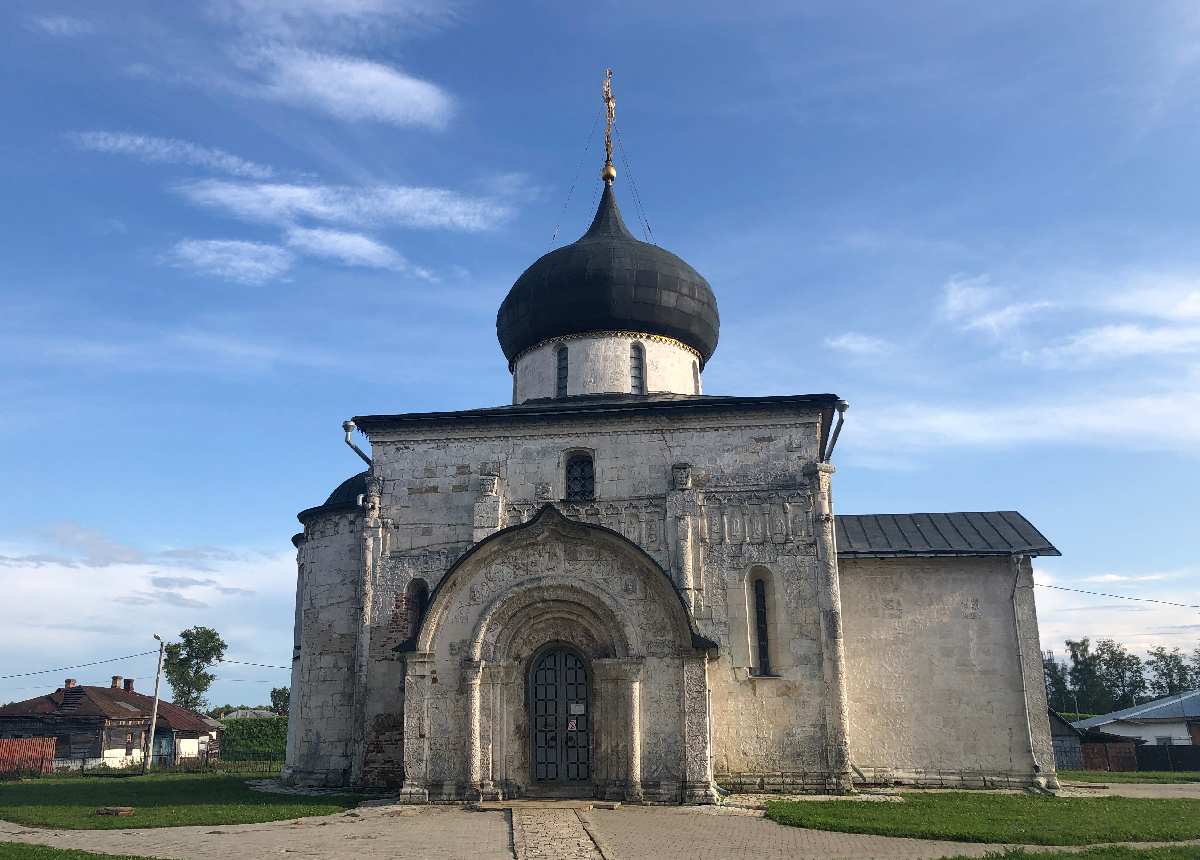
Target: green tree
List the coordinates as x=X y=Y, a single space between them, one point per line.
x=1086 y=682
x=1170 y=672
x=1058 y=688
x=281 y=699
x=1121 y=674
x=186 y=662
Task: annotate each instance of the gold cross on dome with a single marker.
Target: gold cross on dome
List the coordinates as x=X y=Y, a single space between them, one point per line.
x=609 y=173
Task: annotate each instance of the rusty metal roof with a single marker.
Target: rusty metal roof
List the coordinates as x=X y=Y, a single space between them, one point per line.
x=970 y=533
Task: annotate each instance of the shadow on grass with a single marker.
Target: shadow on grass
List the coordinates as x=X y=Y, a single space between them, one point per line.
x=1002 y=818
x=159 y=800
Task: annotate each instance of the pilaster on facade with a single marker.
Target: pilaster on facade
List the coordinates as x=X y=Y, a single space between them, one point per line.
x=829 y=602
x=1029 y=652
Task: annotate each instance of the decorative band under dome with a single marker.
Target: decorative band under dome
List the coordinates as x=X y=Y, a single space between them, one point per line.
x=637 y=335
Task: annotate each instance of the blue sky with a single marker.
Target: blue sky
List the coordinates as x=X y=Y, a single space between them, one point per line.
x=229 y=225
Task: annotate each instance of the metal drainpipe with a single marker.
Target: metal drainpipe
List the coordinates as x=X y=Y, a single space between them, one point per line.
x=1021 y=664
x=348 y=426
x=841 y=407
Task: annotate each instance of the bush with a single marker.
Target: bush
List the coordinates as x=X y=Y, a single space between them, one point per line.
x=254 y=739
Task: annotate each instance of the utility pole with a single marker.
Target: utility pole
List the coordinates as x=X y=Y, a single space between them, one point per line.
x=154 y=712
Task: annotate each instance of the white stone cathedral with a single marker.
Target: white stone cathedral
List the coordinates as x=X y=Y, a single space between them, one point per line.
x=618 y=587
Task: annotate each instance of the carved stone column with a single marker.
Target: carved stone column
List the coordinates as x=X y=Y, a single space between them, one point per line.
x=621 y=678
x=696 y=741
x=473 y=675
x=416 y=725
x=833 y=650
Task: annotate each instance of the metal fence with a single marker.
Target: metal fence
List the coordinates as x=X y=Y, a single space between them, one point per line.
x=1168 y=757
x=132 y=766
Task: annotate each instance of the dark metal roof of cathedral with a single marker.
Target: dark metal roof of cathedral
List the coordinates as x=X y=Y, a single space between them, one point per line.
x=1004 y=533
x=344 y=498
x=608 y=281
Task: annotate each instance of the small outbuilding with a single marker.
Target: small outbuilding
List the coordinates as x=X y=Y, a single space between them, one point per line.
x=1068 y=754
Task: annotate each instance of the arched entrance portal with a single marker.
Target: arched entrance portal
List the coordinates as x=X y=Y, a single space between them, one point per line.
x=556 y=659
x=560 y=719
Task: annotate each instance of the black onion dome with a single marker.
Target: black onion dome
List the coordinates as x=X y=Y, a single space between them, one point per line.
x=608 y=281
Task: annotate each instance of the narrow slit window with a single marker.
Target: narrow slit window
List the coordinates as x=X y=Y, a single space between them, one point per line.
x=637 y=369
x=696 y=377
x=581 y=479
x=560 y=389
x=417 y=603
x=760 y=615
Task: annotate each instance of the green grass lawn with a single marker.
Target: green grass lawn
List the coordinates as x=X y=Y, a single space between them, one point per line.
x=159 y=800
x=1019 y=818
x=1179 y=852
x=21 y=851
x=1158 y=776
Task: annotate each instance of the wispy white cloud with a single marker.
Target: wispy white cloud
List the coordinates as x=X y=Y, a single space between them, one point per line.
x=1116 y=577
x=276 y=203
x=859 y=344
x=1125 y=341
x=91 y=617
x=169 y=150
x=346 y=88
x=1137 y=625
x=87 y=547
x=324 y=20
x=353 y=249
x=973 y=303
x=63 y=25
x=233 y=259
x=1166 y=297
x=1144 y=423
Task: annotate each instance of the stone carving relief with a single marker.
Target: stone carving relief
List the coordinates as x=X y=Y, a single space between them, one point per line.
x=642 y=521
x=764 y=518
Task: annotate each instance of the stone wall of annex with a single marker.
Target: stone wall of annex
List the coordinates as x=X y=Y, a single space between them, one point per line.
x=935 y=682
x=329 y=564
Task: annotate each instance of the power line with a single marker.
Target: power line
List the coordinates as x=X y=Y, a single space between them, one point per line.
x=1119 y=596
x=128 y=657
x=80 y=666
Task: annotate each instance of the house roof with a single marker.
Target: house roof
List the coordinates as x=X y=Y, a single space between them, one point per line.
x=1060 y=727
x=1184 y=706
x=110 y=702
x=970 y=533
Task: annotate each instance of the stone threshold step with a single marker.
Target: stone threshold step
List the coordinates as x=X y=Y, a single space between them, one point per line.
x=584 y=805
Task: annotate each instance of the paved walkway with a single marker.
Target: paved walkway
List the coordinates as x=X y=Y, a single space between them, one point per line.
x=457 y=833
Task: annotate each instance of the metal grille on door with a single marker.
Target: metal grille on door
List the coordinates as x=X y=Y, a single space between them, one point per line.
x=560 y=718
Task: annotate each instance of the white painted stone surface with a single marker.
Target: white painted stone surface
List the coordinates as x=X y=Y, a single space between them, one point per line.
x=691 y=509
x=934 y=675
x=599 y=364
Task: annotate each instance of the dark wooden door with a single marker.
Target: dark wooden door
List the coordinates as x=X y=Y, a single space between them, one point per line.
x=561 y=718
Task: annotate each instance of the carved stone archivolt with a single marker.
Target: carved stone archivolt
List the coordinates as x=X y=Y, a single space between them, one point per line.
x=553 y=582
